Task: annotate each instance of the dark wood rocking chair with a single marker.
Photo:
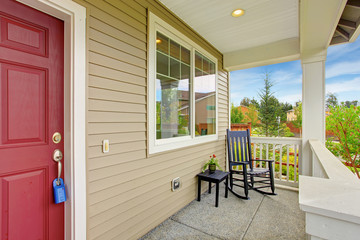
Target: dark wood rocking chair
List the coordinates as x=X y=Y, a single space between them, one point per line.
x=241 y=163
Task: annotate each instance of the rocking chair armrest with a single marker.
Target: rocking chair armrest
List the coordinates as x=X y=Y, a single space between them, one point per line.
x=240 y=163
x=262 y=160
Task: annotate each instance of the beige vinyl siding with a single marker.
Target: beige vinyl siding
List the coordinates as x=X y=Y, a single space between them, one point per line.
x=128 y=192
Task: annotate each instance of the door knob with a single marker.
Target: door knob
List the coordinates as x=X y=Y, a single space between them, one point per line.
x=57 y=156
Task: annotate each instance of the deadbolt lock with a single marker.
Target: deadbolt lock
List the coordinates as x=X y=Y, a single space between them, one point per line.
x=56 y=137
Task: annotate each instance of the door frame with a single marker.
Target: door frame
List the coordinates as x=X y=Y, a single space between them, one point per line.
x=74 y=17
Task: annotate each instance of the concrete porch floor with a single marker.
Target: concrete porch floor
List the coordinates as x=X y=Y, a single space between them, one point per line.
x=260 y=218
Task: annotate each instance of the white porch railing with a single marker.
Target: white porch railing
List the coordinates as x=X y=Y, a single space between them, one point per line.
x=286 y=153
x=330 y=197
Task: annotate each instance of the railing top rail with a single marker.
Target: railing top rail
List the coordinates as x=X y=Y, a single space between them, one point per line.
x=277 y=140
x=333 y=167
x=335 y=198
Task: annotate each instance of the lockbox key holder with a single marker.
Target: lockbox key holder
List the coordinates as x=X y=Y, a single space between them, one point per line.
x=59 y=191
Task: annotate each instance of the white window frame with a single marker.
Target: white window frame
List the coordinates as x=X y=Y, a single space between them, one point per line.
x=156 y=24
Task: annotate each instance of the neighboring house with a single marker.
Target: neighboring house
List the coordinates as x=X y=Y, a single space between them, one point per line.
x=245 y=110
x=205 y=112
x=85 y=83
x=290 y=115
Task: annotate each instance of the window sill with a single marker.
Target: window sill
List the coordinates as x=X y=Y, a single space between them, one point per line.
x=181 y=142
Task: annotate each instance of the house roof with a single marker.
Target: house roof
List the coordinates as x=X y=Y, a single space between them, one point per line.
x=270 y=31
x=347 y=29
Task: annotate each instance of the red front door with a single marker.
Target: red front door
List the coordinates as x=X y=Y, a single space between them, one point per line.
x=31 y=111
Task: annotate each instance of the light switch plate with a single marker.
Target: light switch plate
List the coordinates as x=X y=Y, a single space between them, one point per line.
x=106 y=146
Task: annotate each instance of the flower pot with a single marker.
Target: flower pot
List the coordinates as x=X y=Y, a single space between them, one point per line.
x=212 y=168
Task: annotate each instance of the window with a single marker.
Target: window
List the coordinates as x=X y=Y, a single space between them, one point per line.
x=182 y=90
x=205 y=95
x=172 y=88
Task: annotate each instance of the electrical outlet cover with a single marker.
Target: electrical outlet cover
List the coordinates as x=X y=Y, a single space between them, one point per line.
x=175 y=184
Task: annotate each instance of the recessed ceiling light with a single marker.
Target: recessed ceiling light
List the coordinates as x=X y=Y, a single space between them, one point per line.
x=238 y=12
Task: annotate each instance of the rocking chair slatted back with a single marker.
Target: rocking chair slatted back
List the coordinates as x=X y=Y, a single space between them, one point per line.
x=239 y=146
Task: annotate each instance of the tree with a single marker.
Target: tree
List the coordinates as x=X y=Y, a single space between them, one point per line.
x=268 y=108
x=331 y=100
x=245 y=102
x=236 y=114
x=344 y=122
x=284 y=108
x=255 y=103
x=298 y=113
x=252 y=115
x=349 y=103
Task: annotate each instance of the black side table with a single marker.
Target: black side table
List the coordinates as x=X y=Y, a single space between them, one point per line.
x=216 y=177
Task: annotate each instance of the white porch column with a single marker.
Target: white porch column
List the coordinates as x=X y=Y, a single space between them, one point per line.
x=313 y=107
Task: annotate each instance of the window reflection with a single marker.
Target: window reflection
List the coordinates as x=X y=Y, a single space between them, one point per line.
x=172 y=88
x=205 y=96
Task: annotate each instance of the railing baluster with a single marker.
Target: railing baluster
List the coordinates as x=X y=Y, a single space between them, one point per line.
x=267 y=151
x=273 y=158
x=295 y=161
x=261 y=148
x=280 y=166
x=267 y=154
x=255 y=145
x=255 y=155
x=287 y=162
x=274 y=149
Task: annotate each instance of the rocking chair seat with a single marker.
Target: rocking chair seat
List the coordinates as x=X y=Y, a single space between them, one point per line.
x=258 y=171
x=254 y=171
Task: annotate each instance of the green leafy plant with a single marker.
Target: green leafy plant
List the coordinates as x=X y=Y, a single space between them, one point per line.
x=344 y=122
x=298 y=121
x=213 y=161
x=236 y=114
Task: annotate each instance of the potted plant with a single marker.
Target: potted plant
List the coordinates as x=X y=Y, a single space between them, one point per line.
x=212 y=164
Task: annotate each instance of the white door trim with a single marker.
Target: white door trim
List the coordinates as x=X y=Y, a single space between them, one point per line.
x=74 y=17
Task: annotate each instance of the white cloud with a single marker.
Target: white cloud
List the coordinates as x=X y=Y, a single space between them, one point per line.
x=286 y=77
x=338 y=51
x=203 y=84
x=343 y=68
x=242 y=79
x=292 y=98
x=236 y=95
x=346 y=86
x=184 y=85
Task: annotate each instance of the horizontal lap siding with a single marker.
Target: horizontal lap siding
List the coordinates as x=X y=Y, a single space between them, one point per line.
x=128 y=192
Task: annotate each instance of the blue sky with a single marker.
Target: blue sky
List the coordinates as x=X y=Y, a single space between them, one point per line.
x=342 y=77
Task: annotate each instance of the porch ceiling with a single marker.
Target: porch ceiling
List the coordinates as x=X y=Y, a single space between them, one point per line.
x=264 y=21
x=270 y=31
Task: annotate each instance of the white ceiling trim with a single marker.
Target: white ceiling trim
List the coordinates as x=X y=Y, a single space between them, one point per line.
x=278 y=52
